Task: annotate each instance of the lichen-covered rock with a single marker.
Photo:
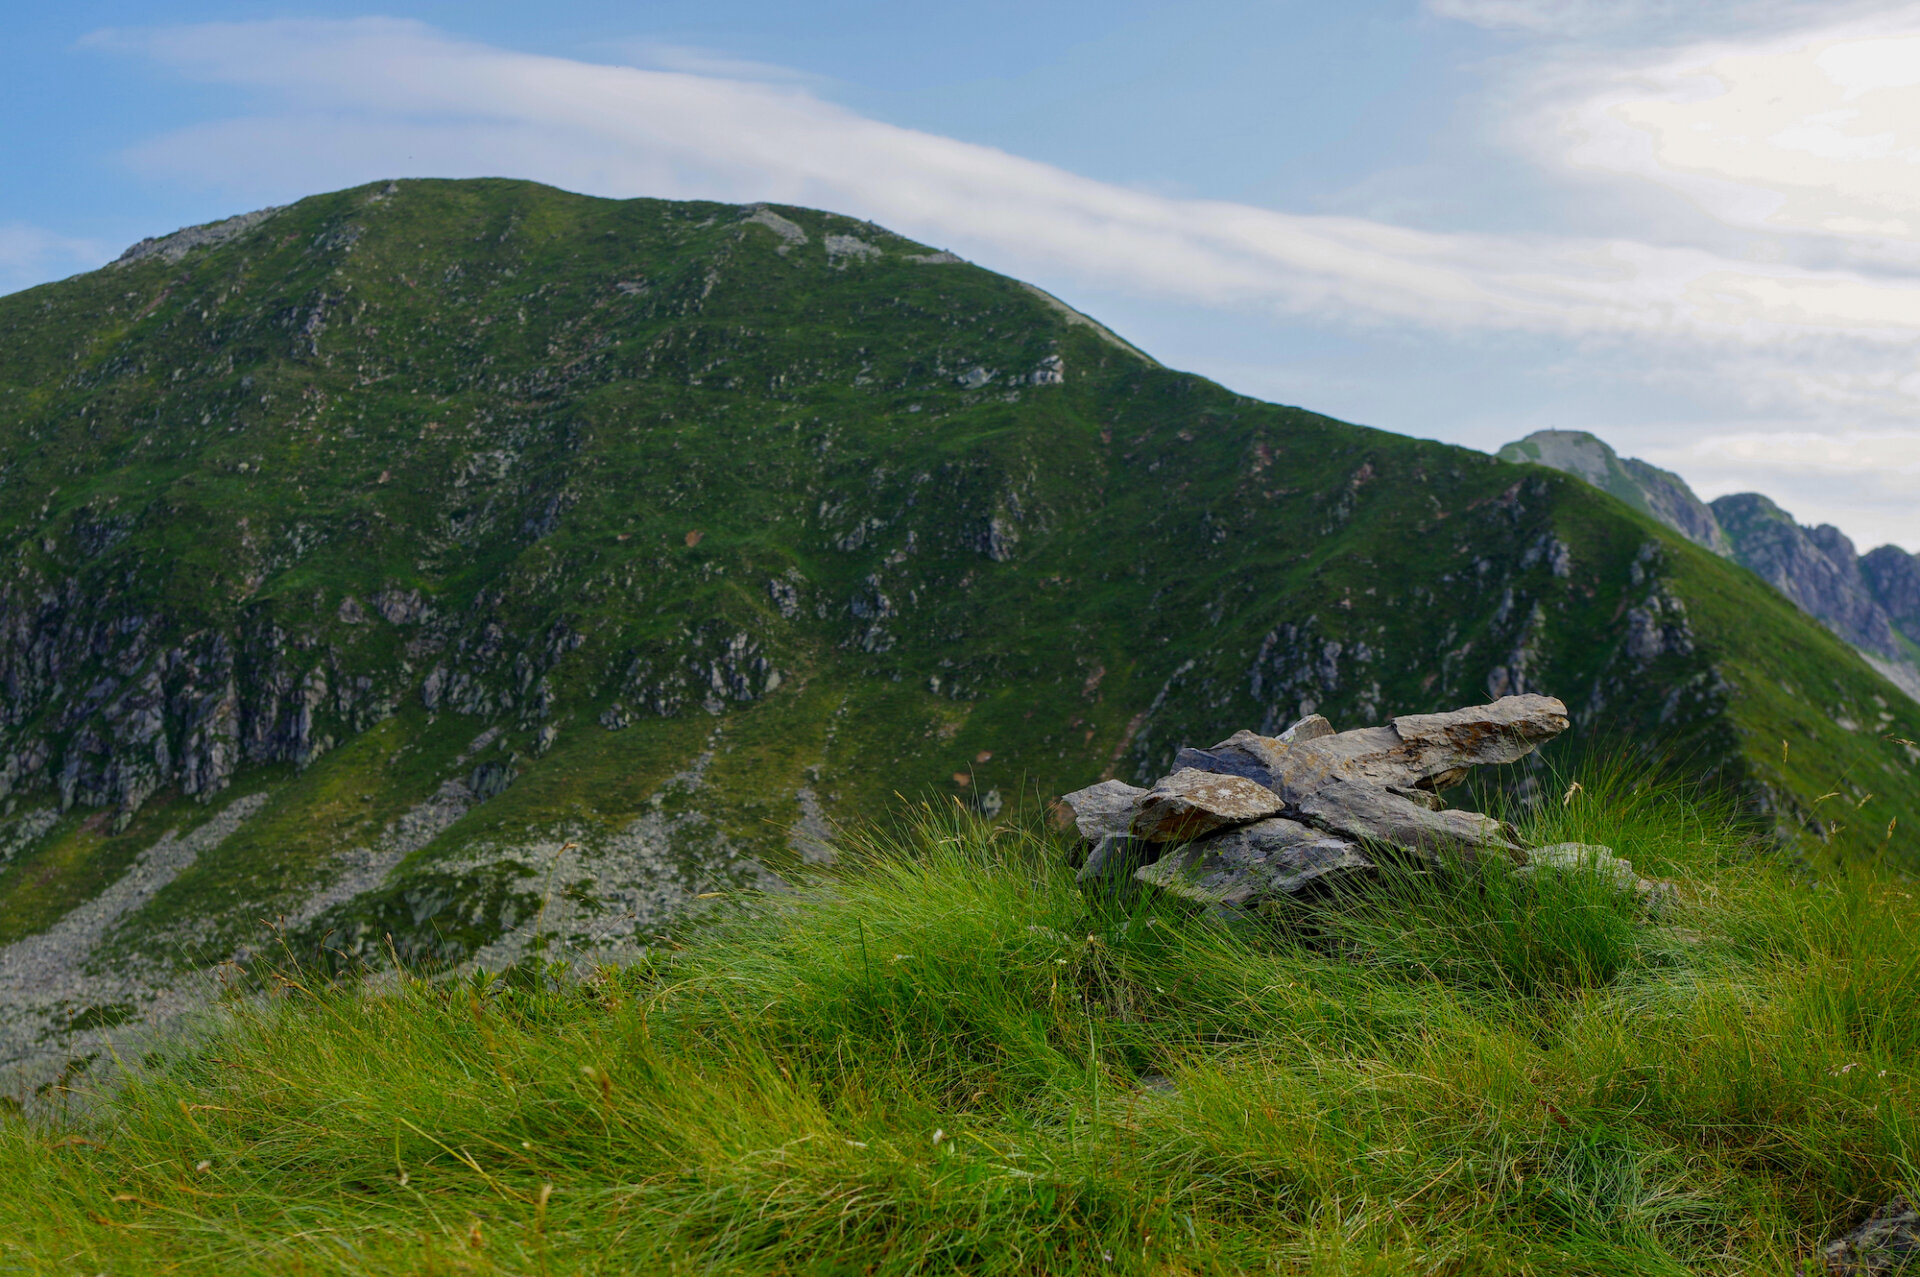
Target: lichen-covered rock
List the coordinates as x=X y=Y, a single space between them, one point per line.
x=1422 y=751
x=1254 y=863
x=1190 y=803
x=1103 y=809
x=1579 y=857
x=1887 y=1242
x=1371 y=815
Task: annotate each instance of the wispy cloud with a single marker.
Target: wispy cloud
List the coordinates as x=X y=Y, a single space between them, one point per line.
x=372 y=97
x=1814 y=131
x=1810 y=340
x=29 y=254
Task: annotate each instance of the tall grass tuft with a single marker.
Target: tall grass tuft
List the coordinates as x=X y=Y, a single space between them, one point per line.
x=942 y=1059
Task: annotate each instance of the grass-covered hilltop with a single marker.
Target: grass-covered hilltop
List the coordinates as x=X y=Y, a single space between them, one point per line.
x=481 y=566
x=943 y=1058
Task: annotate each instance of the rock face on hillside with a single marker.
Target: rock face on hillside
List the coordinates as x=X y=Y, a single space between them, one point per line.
x=1815 y=567
x=1328 y=807
x=1885 y=1243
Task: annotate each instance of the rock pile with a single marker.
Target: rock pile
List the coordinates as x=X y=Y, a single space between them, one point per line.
x=1259 y=817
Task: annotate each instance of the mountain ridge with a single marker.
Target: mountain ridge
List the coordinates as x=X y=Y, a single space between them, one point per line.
x=535 y=568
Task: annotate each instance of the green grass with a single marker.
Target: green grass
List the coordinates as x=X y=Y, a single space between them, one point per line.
x=940 y=1059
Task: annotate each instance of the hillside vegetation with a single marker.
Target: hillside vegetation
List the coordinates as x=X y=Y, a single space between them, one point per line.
x=501 y=570
x=940 y=1058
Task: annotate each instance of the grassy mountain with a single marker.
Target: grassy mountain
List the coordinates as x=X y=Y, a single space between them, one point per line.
x=471 y=562
x=949 y=1063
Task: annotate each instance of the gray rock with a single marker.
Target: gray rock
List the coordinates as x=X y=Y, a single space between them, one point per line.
x=1103 y=809
x=1578 y=857
x=1250 y=754
x=1894 y=577
x=1374 y=816
x=1419 y=797
x=1190 y=803
x=171 y=248
x=1886 y=1243
x=1312 y=727
x=1421 y=751
x=400 y=607
x=1652 y=491
x=1254 y=863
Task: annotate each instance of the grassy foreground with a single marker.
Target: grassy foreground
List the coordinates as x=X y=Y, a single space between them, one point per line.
x=942 y=1061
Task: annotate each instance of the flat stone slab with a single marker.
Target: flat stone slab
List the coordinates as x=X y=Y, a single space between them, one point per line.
x=1362 y=812
x=1190 y=803
x=1421 y=751
x=1245 y=866
x=1103 y=809
x=1249 y=754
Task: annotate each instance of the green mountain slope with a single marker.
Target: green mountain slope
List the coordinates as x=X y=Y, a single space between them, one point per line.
x=469 y=560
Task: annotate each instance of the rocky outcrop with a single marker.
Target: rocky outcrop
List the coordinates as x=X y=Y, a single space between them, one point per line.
x=1894 y=577
x=172 y=248
x=1255 y=862
x=1191 y=802
x=1815 y=567
x=1278 y=815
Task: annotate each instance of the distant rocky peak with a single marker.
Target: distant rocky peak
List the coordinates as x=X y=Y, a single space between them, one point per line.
x=1894 y=576
x=1871 y=602
x=1659 y=494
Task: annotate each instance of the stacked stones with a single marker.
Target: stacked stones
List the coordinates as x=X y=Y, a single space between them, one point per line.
x=1259 y=817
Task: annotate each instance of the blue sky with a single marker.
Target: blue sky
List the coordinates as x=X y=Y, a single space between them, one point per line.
x=1692 y=228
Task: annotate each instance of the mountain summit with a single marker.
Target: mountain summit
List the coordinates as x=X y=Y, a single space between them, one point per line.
x=488 y=567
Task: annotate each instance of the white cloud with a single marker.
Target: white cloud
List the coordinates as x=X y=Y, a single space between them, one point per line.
x=374 y=97
x=1584 y=18
x=1557 y=17
x=1816 y=131
x=29 y=255
x=1811 y=345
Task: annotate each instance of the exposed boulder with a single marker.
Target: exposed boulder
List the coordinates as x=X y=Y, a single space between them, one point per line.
x=1579 y=857
x=1114 y=861
x=1256 y=862
x=1379 y=817
x=1190 y=803
x=1250 y=754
